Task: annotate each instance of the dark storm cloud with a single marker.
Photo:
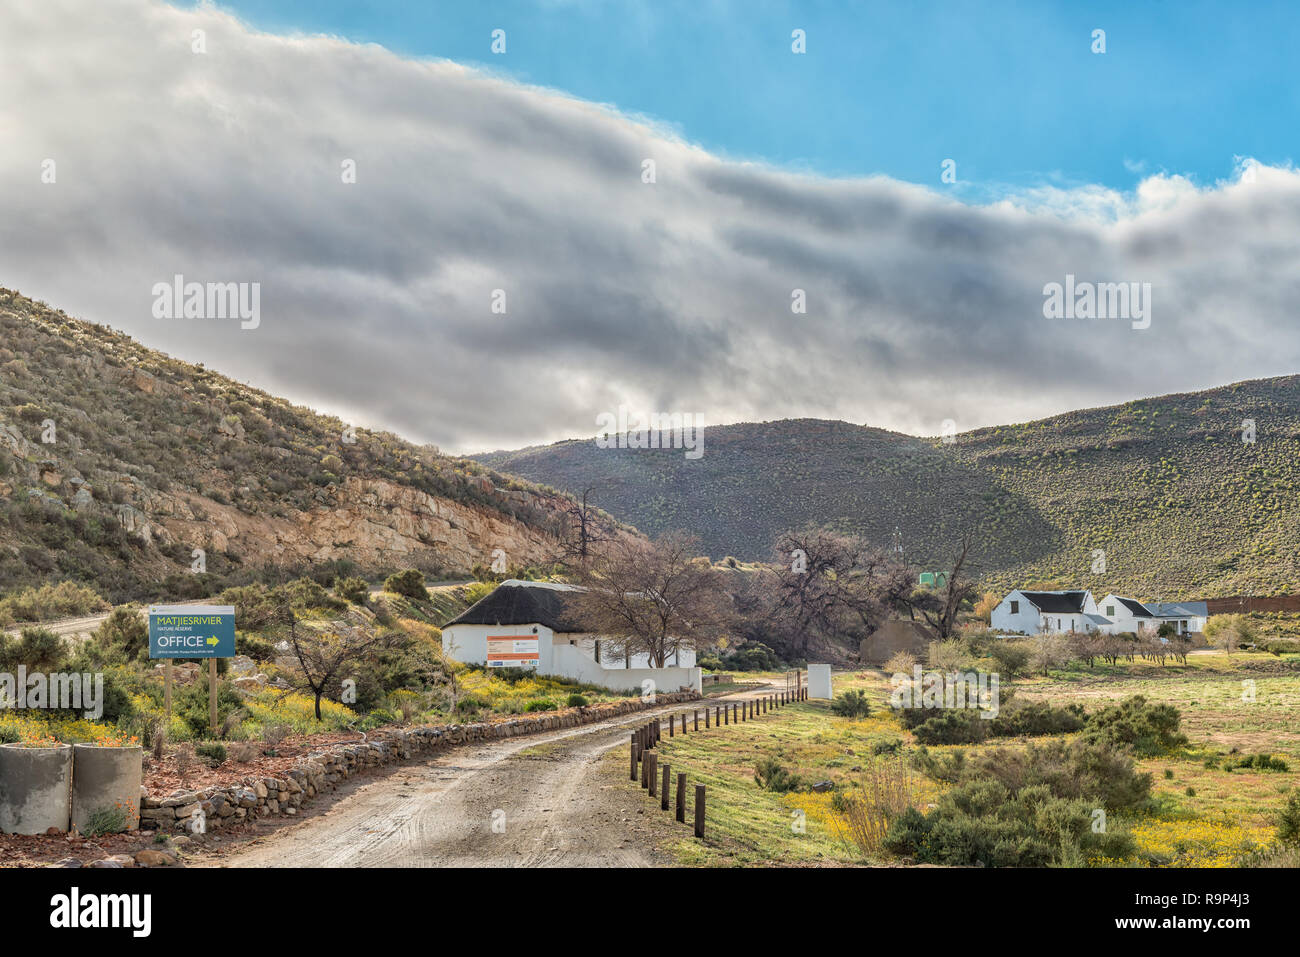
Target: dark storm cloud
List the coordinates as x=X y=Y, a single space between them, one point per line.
x=676 y=296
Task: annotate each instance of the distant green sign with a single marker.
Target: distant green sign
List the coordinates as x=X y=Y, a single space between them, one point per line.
x=191 y=631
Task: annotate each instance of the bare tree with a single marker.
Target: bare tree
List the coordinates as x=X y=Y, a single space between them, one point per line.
x=833 y=584
x=939 y=608
x=321 y=656
x=584 y=529
x=654 y=597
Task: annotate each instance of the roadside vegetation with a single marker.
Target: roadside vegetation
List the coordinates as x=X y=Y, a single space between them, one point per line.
x=1157 y=765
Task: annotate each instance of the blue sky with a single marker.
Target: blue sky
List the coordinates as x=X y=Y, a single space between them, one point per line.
x=1010 y=90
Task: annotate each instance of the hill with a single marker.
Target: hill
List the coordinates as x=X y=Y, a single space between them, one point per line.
x=117 y=462
x=1180 y=505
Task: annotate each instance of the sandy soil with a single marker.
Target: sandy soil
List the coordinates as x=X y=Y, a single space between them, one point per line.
x=550 y=801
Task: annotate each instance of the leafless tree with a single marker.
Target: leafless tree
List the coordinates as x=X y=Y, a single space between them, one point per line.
x=939 y=608
x=654 y=597
x=584 y=530
x=322 y=655
x=833 y=584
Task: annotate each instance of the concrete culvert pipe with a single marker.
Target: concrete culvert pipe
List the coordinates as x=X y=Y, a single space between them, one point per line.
x=35 y=784
x=106 y=780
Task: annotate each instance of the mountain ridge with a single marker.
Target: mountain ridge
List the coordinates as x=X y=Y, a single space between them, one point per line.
x=1164 y=488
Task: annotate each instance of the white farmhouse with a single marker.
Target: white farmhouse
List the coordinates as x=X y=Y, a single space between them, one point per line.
x=1035 y=612
x=1058 y=612
x=532 y=625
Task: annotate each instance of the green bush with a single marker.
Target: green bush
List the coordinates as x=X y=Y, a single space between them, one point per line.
x=951 y=726
x=124 y=634
x=540 y=704
x=1036 y=718
x=213 y=751
x=771 y=775
x=1012 y=656
x=1288 y=821
x=1257 y=762
x=409 y=583
x=1025 y=808
x=577 y=701
x=851 y=704
x=1283 y=647
x=1147 y=729
x=354 y=590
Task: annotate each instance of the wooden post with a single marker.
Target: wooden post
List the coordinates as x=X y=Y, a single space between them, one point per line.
x=212 y=694
x=699 y=810
x=706 y=719
x=683 y=722
x=654 y=777
x=670 y=726
x=697 y=719
x=635 y=755
x=646 y=758
x=663 y=790
x=681 y=797
x=167 y=693
x=726 y=715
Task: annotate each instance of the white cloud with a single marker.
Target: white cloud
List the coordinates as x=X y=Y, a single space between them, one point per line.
x=225 y=166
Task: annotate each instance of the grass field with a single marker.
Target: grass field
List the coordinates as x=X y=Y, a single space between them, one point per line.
x=1201 y=814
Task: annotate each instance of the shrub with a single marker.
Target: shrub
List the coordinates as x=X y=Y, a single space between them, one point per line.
x=887 y=790
x=751 y=657
x=1257 y=762
x=1035 y=718
x=1022 y=808
x=212 y=751
x=951 y=726
x=577 y=701
x=1147 y=729
x=771 y=775
x=901 y=663
x=124 y=634
x=1283 y=647
x=851 y=704
x=1012 y=656
x=106 y=820
x=354 y=590
x=409 y=583
x=540 y=704
x=1288 y=821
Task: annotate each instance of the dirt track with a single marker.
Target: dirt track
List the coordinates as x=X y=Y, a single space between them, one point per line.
x=557 y=809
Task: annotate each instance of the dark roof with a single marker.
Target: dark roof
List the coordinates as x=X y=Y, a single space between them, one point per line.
x=1139 y=610
x=524 y=603
x=1057 y=602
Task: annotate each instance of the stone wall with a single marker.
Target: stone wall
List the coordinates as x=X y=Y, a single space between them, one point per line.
x=221 y=806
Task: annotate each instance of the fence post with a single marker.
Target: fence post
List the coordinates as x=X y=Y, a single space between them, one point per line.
x=683 y=722
x=726 y=715
x=635 y=755
x=670 y=726
x=697 y=720
x=706 y=719
x=681 y=797
x=646 y=756
x=654 y=766
x=663 y=790
x=699 y=810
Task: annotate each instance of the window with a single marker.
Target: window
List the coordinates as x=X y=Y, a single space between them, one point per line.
x=1015 y=608
x=1110 y=611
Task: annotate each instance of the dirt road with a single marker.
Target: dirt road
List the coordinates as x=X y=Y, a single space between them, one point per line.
x=78 y=628
x=539 y=801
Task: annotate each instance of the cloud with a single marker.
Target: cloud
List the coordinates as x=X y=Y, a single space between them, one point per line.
x=676 y=296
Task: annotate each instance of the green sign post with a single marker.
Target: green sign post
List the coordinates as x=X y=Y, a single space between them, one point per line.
x=192 y=631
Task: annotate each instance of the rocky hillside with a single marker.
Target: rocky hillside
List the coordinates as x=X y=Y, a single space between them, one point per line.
x=116 y=462
x=1166 y=488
